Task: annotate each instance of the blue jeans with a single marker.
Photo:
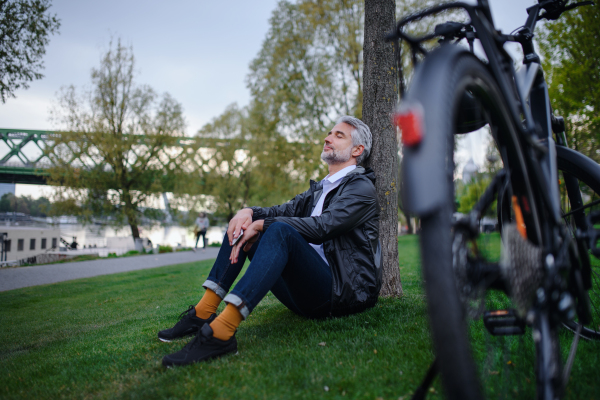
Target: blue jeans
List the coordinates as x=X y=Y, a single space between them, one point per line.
x=282 y=262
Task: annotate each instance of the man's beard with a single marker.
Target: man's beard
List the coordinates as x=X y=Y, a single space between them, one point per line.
x=336 y=156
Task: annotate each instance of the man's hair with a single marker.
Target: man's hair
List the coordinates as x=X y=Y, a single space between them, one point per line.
x=360 y=135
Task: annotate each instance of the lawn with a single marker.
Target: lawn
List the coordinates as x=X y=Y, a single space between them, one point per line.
x=96 y=338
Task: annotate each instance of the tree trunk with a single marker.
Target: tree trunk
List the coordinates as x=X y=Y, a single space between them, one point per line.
x=135 y=231
x=380 y=92
x=130 y=213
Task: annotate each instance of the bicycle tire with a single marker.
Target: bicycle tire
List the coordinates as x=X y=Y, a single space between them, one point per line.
x=587 y=172
x=447 y=315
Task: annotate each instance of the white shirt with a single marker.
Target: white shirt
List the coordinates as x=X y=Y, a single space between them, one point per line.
x=329 y=183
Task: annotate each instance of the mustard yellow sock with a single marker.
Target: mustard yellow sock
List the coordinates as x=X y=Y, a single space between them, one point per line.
x=226 y=323
x=208 y=304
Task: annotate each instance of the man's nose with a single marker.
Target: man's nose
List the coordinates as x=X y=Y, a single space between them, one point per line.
x=327 y=140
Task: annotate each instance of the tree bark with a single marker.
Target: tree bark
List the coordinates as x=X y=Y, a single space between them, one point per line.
x=130 y=213
x=380 y=92
x=135 y=231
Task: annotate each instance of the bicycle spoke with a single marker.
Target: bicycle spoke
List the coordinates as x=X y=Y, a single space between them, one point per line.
x=582 y=208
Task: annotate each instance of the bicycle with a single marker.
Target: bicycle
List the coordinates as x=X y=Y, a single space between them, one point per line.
x=545 y=267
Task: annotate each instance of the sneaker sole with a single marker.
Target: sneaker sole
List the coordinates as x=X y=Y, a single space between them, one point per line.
x=175 y=339
x=183 y=337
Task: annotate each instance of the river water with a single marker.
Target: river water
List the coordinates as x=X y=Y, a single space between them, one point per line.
x=101 y=236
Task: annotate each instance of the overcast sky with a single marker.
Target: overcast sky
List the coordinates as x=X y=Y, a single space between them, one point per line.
x=198 y=51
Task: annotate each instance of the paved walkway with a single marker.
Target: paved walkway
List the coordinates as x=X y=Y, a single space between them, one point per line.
x=15 y=278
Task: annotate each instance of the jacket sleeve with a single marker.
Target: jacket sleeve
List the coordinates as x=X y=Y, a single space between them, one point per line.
x=290 y=209
x=353 y=207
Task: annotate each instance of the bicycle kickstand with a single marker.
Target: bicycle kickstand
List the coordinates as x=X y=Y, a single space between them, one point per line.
x=421 y=391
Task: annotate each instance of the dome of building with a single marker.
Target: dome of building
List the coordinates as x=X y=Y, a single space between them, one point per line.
x=469 y=171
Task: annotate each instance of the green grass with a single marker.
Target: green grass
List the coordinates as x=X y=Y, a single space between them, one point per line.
x=96 y=338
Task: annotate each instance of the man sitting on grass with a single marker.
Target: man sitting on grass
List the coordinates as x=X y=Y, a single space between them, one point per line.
x=318 y=253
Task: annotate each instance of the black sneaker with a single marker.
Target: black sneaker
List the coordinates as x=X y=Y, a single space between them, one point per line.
x=203 y=347
x=188 y=325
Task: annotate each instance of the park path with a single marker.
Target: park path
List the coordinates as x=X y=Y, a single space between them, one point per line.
x=19 y=277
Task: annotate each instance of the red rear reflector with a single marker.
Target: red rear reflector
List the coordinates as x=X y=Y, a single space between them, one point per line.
x=410 y=122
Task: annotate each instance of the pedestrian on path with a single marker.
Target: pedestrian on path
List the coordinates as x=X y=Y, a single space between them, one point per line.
x=200 y=227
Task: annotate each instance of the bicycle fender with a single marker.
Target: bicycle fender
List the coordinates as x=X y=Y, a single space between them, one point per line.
x=425 y=180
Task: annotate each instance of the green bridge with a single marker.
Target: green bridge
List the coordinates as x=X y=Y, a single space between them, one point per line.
x=15 y=165
x=24 y=154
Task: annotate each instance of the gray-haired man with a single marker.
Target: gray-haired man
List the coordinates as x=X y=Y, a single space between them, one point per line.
x=318 y=253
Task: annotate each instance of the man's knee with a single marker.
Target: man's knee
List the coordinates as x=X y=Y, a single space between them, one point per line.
x=280 y=228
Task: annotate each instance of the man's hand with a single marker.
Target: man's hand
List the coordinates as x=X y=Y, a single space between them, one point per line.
x=242 y=220
x=250 y=237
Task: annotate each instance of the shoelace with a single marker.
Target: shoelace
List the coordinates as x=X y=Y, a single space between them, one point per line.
x=183 y=315
x=198 y=340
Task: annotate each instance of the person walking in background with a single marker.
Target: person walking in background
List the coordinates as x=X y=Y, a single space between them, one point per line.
x=200 y=228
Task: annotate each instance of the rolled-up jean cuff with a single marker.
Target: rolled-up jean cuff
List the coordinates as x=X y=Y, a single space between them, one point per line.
x=215 y=288
x=239 y=303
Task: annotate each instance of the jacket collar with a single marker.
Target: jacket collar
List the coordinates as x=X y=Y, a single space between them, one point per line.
x=314 y=186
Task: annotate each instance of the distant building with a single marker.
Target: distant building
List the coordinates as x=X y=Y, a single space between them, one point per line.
x=469 y=171
x=7 y=188
x=23 y=241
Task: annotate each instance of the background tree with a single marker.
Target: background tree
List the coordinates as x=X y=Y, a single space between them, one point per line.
x=120 y=151
x=226 y=172
x=24 y=204
x=25 y=27
x=309 y=71
x=240 y=162
x=469 y=193
x=379 y=100
x=572 y=65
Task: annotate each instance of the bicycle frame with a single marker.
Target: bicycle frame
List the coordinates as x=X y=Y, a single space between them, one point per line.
x=526 y=95
x=522 y=125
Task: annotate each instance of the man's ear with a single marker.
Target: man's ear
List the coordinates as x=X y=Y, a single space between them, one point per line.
x=358 y=150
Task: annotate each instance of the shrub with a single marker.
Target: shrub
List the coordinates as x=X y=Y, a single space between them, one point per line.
x=165 y=249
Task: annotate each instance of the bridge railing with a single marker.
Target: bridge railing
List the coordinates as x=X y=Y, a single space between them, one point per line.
x=26 y=154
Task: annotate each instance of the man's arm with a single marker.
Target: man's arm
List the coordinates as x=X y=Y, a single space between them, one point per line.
x=289 y=209
x=246 y=216
x=355 y=206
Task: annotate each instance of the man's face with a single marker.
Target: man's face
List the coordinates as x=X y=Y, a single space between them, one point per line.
x=338 y=145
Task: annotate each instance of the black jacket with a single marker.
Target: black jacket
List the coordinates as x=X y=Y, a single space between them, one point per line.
x=348 y=228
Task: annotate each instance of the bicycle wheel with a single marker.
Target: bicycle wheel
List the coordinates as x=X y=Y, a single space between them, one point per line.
x=441 y=245
x=586 y=200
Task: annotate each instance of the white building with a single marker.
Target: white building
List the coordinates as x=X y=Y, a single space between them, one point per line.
x=22 y=242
